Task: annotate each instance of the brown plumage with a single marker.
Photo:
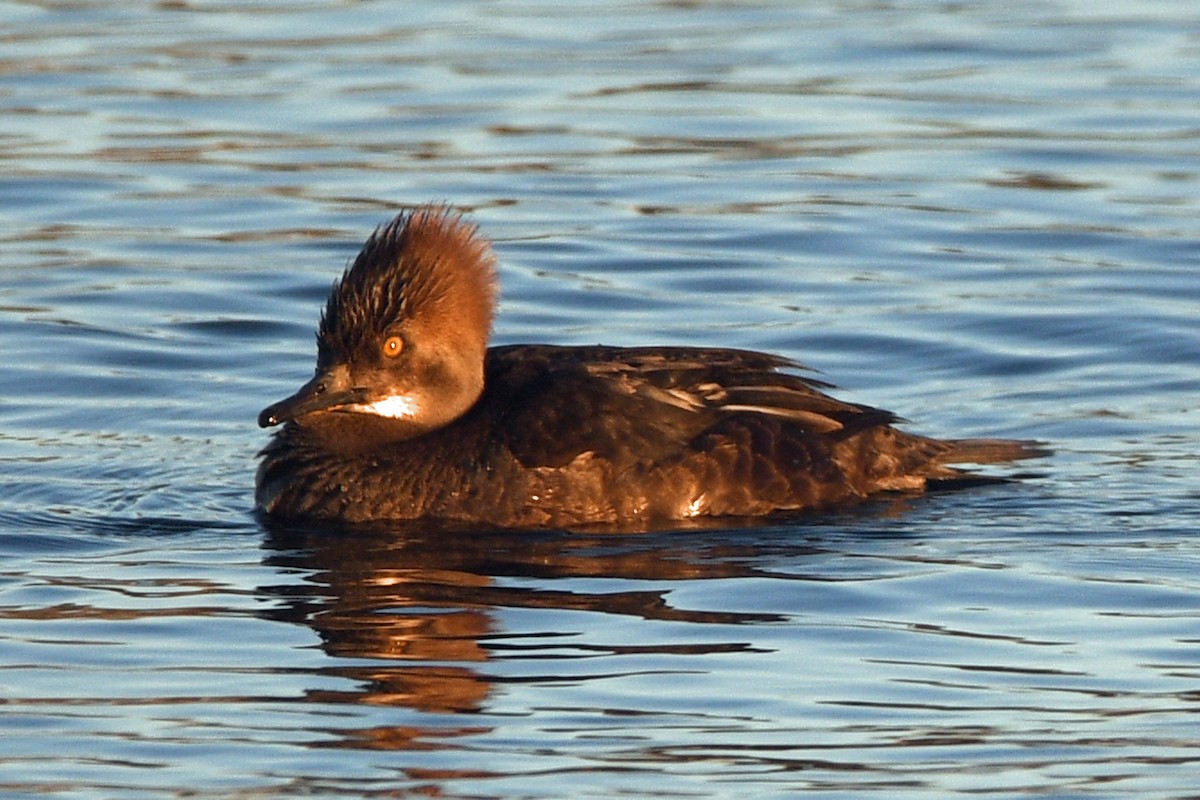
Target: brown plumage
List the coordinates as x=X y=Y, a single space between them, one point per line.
x=411 y=416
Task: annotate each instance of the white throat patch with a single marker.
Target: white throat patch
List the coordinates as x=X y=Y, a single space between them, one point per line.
x=396 y=406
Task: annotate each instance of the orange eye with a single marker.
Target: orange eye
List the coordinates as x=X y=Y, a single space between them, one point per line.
x=392 y=346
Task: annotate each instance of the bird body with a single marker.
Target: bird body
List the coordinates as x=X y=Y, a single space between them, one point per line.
x=412 y=416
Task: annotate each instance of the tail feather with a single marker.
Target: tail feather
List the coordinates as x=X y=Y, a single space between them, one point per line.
x=991 y=451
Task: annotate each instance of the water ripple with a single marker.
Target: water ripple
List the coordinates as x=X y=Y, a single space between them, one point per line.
x=983 y=218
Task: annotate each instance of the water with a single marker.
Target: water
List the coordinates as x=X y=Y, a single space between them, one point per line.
x=982 y=216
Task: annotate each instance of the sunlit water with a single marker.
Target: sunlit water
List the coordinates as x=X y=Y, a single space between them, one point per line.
x=983 y=216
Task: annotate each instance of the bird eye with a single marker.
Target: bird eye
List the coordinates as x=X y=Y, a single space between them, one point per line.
x=392 y=346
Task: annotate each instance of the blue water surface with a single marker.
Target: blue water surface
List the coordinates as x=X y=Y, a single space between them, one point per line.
x=984 y=216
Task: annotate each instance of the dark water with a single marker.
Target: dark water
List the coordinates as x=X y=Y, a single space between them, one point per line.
x=984 y=216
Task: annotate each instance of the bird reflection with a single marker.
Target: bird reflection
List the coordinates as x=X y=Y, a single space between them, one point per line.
x=420 y=602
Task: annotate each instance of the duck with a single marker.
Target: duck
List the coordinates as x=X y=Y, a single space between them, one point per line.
x=412 y=416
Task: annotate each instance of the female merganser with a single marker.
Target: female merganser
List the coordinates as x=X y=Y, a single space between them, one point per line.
x=412 y=416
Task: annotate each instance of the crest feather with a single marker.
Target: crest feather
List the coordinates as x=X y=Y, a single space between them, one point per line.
x=427 y=265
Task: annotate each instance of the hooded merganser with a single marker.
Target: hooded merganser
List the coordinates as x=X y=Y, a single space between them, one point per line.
x=412 y=416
